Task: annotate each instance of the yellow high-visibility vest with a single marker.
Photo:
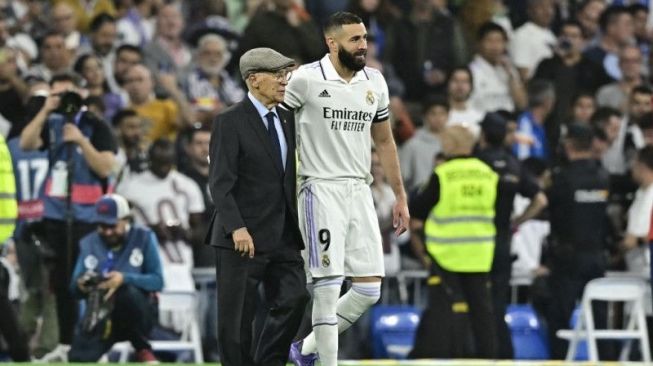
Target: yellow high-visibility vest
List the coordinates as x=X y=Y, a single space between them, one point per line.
x=8 y=204
x=460 y=228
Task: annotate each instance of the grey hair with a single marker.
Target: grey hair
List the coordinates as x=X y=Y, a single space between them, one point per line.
x=212 y=37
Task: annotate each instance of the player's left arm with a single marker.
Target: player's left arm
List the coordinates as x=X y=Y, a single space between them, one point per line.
x=387 y=150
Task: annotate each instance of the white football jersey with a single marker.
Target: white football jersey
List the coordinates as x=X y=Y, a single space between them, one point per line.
x=334 y=118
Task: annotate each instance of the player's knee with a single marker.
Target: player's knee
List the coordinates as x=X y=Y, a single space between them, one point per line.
x=367 y=293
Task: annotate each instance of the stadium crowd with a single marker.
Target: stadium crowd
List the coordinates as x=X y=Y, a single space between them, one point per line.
x=119 y=96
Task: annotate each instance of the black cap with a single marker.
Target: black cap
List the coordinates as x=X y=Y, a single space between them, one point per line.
x=494 y=128
x=581 y=135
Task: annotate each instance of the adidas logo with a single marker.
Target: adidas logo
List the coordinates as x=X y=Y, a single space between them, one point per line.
x=324 y=94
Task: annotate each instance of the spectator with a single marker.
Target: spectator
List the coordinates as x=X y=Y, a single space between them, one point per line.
x=126 y=57
x=533 y=141
x=104 y=35
x=206 y=83
x=423 y=48
x=474 y=14
x=616 y=26
x=577 y=201
x=64 y=23
x=611 y=122
x=13 y=93
x=132 y=146
x=118 y=270
x=639 y=213
x=496 y=82
x=534 y=40
x=645 y=125
x=417 y=154
x=582 y=108
x=459 y=89
x=295 y=34
x=588 y=15
x=86 y=10
x=55 y=57
x=136 y=28
x=21 y=42
x=616 y=94
x=89 y=147
x=640 y=12
x=89 y=67
x=167 y=52
x=173 y=208
x=198 y=170
x=162 y=116
x=570 y=72
x=640 y=104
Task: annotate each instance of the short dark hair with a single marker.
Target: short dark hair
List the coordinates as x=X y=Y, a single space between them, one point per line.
x=435 y=101
x=464 y=69
x=603 y=114
x=645 y=156
x=609 y=15
x=100 y=20
x=338 y=19
x=65 y=77
x=635 y=8
x=534 y=167
x=580 y=136
x=569 y=23
x=50 y=34
x=198 y=127
x=493 y=127
x=641 y=89
x=490 y=27
x=645 y=122
x=129 y=48
x=161 y=144
x=78 y=67
x=122 y=115
x=507 y=115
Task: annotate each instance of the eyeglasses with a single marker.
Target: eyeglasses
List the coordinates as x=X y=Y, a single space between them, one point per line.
x=281 y=75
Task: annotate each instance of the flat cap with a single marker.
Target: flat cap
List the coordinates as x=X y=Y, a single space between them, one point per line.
x=263 y=59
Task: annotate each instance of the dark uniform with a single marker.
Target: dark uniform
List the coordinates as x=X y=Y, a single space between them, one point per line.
x=577 y=202
x=511 y=182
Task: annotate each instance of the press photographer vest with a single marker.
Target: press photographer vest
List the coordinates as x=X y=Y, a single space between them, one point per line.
x=87 y=187
x=129 y=259
x=460 y=228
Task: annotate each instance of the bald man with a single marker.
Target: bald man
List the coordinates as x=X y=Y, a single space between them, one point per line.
x=162 y=115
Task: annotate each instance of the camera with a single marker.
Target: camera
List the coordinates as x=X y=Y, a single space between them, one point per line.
x=91 y=279
x=70 y=104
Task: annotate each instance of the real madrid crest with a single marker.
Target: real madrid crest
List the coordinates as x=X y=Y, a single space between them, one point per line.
x=136 y=258
x=325 y=261
x=370 y=97
x=90 y=262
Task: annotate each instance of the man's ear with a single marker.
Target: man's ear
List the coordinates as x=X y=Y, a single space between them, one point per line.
x=331 y=43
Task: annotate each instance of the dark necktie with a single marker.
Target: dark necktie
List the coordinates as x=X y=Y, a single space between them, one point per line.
x=274 y=138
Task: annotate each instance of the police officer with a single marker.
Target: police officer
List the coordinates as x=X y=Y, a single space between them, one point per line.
x=456 y=211
x=511 y=181
x=120 y=261
x=577 y=198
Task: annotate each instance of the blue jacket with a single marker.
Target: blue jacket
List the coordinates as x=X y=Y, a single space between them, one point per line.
x=137 y=259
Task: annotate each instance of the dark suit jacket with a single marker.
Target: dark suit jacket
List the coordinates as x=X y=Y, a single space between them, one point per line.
x=248 y=188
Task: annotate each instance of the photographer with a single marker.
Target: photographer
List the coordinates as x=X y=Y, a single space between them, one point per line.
x=118 y=271
x=81 y=149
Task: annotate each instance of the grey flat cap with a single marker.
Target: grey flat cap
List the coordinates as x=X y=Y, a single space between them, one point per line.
x=263 y=59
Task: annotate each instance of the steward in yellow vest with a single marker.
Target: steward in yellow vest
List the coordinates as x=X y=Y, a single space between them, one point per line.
x=8 y=205
x=456 y=211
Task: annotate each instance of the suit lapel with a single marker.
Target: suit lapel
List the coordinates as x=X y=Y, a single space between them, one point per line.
x=256 y=123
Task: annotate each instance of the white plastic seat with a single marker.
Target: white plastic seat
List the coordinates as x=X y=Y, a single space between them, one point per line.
x=628 y=290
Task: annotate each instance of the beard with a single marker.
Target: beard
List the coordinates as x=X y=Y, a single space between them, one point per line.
x=349 y=59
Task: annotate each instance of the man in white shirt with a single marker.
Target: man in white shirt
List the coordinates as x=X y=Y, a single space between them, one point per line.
x=340 y=107
x=497 y=84
x=459 y=89
x=533 y=41
x=639 y=214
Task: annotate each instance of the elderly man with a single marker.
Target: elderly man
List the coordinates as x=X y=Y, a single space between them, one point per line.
x=118 y=270
x=255 y=226
x=206 y=83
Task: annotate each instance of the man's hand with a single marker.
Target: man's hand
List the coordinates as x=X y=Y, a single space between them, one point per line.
x=113 y=281
x=168 y=81
x=629 y=242
x=72 y=134
x=400 y=216
x=81 y=284
x=243 y=242
x=51 y=103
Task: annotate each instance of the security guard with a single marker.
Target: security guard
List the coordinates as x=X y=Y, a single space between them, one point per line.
x=511 y=181
x=458 y=208
x=8 y=205
x=578 y=200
